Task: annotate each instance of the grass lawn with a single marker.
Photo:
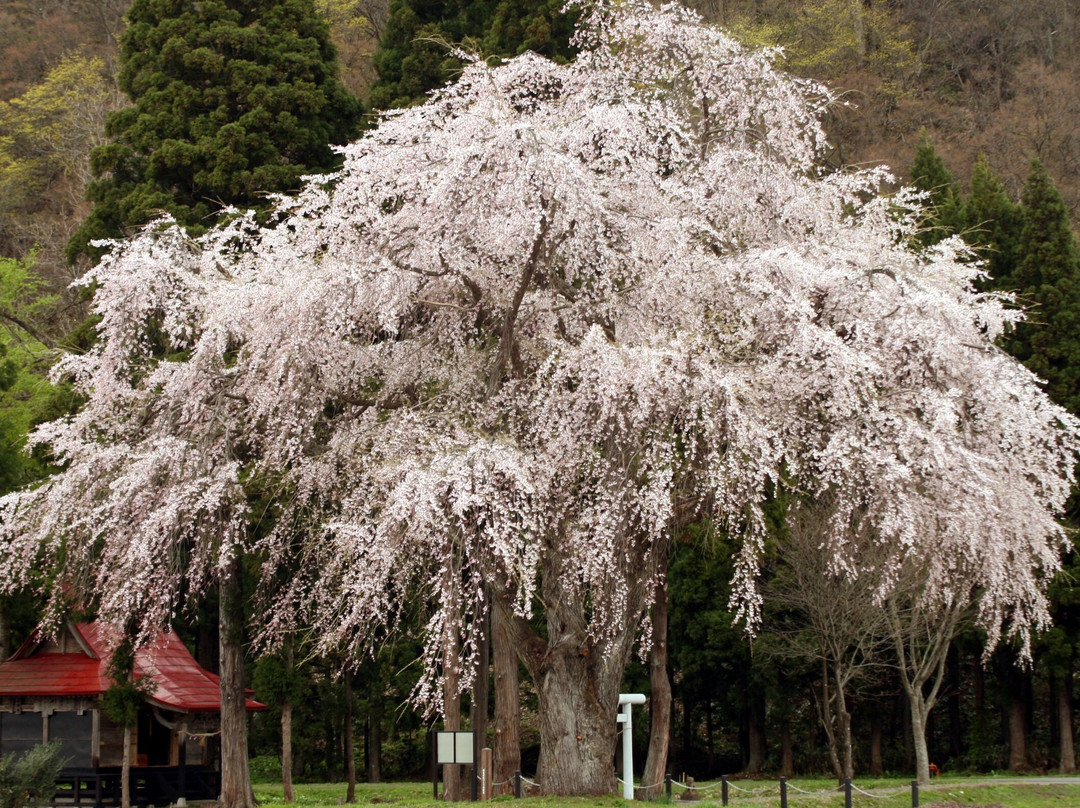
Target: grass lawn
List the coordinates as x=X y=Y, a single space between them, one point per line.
x=952 y=792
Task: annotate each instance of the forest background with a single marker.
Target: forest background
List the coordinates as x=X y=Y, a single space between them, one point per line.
x=959 y=96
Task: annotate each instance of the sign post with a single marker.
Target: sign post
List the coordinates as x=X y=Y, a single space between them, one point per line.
x=450 y=747
x=625 y=717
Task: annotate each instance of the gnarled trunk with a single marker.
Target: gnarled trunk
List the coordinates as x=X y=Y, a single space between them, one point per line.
x=578 y=702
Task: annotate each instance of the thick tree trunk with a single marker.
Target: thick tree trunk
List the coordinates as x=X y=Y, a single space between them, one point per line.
x=578 y=702
x=350 y=752
x=652 y=777
x=235 y=779
x=1067 y=762
x=507 y=746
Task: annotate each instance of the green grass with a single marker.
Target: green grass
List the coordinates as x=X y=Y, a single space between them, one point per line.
x=951 y=791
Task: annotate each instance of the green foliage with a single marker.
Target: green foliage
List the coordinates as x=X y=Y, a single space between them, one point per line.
x=121 y=701
x=414 y=55
x=945 y=212
x=992 y=224
x=233 y=100
x=30 y=779
x=46 y=133
x=1047 y=282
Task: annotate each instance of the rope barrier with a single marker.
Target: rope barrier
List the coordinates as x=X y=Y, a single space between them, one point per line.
x=794 y=787
x=732 y=785
x=878 y=796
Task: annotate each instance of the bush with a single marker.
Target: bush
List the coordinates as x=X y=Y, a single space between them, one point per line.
x=30 y=779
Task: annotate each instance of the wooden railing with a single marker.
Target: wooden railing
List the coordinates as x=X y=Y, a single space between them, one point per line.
x=150 y=785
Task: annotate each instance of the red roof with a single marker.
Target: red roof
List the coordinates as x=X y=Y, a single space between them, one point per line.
x=180 y=682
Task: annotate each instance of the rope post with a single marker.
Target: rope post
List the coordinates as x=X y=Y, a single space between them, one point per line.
x=723 y=789
x=847 y=792
x=667 y=786
x=517 y=785
x=783 y=792
x=914 y=794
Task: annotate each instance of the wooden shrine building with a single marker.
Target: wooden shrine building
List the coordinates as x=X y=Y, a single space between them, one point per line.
x=50 y=690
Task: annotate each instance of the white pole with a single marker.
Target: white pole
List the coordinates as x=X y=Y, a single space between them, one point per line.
x=626 y=703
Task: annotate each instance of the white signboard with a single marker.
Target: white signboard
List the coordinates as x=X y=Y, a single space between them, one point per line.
x=454 y=747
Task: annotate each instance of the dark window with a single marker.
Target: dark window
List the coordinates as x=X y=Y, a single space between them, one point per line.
x=19 y=731
x=74 y=732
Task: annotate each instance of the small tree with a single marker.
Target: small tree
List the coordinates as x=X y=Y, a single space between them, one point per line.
x=121 y=703
x=29 y=780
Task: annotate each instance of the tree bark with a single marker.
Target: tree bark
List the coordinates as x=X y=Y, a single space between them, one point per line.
x=478 y=710
x=507 y=746
x=660 y=699
x=374 y=747
x=451 y=718
x=5 y=629
x=286 y=751
x=125 y=771
x=235 y=779
x=286 y=734
x=578 y=701
x=1017 y=733
x=1067 y=761
x=877 y=761
x=755 y=741
x=350 y=753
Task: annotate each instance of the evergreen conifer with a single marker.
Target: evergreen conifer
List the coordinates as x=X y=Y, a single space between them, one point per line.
x=414 y=55
x=945 y=216
x=992 y=224
x=232 y=100
x=1047 y=282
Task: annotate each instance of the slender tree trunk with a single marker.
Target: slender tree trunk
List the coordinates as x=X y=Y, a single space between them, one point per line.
x=1067 y=763
x=5 y=629
x=451 y=718
x=478 y=710
x=286 y=751
x=918 y=737
x=374 y=746
x=843 y=721
x=755 y=735
x=286 y=734
x=660 y=700
x=956 y=734
x=825 y=712
x=350 y=753
x=1017 y=733
x=877 y=760
x=125 y=771
x=235 y=779
x=507 y=747
x=787 y=752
